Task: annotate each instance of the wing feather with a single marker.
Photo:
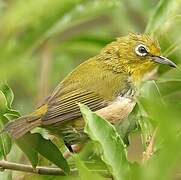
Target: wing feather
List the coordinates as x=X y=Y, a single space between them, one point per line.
x=65 y=107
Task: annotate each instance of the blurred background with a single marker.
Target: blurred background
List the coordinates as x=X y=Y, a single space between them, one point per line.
x=42 y=41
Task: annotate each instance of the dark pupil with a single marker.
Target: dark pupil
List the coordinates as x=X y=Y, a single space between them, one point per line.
x=142 y=50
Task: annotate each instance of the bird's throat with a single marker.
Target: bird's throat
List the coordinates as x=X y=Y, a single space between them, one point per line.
x=139 y=72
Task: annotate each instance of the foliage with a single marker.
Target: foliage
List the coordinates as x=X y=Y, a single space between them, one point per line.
x=113 y=151
x=42 y=40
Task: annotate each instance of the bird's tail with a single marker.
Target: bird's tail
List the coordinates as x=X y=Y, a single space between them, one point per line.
x=22 y=125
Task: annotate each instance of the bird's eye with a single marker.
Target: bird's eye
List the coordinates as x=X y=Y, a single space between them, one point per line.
x=141 y=50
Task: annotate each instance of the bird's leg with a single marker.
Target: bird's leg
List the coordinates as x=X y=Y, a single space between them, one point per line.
x=69 y=147
x=76 y=149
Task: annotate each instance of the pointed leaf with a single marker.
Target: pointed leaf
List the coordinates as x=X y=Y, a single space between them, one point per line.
x=8 y=94
x=158 y=17
x=47 y=149
x=128 y=125
x=27 y=148
x=111 y=145
x=3 y=103
x=5 y=140
x=84 y=172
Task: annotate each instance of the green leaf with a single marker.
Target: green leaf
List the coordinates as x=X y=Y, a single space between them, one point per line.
x=166 y=116
x=148 y=92
x=172 y=75
x=111 y=145
x=8 y=94
x=3 y=103
x=158 y=17
x=84 y=172
x=128 y=125
x=28 y=149
x=5 y=140
x=170 y=90
x=6 y=98
x=46 y=148
x=12 y=114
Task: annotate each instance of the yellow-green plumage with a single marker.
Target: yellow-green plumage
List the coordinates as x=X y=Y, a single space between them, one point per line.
x=96 y=82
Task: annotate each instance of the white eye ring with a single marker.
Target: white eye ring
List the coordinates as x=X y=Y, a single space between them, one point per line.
x=141 y=50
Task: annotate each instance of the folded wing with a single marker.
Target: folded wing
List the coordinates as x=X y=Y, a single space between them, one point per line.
x=63 y=104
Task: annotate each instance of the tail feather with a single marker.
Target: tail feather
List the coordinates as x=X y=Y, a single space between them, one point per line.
x=22 y=125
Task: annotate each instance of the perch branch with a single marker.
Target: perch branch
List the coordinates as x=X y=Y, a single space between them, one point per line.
x=38 y=170
x=42 y=170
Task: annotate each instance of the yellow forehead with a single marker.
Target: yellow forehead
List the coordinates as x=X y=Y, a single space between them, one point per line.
x=151 y=43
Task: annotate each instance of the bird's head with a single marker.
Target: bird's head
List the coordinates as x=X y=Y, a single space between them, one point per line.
x=136 y=54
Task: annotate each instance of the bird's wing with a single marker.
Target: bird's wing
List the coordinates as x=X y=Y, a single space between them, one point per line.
x=62 y=105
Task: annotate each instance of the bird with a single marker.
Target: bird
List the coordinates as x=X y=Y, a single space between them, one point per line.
x=114 y=72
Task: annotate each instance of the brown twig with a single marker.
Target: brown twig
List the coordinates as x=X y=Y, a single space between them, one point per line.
x=38 y=170
x=42 y=170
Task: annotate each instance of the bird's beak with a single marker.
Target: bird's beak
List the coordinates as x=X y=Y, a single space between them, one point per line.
x=163 y=60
